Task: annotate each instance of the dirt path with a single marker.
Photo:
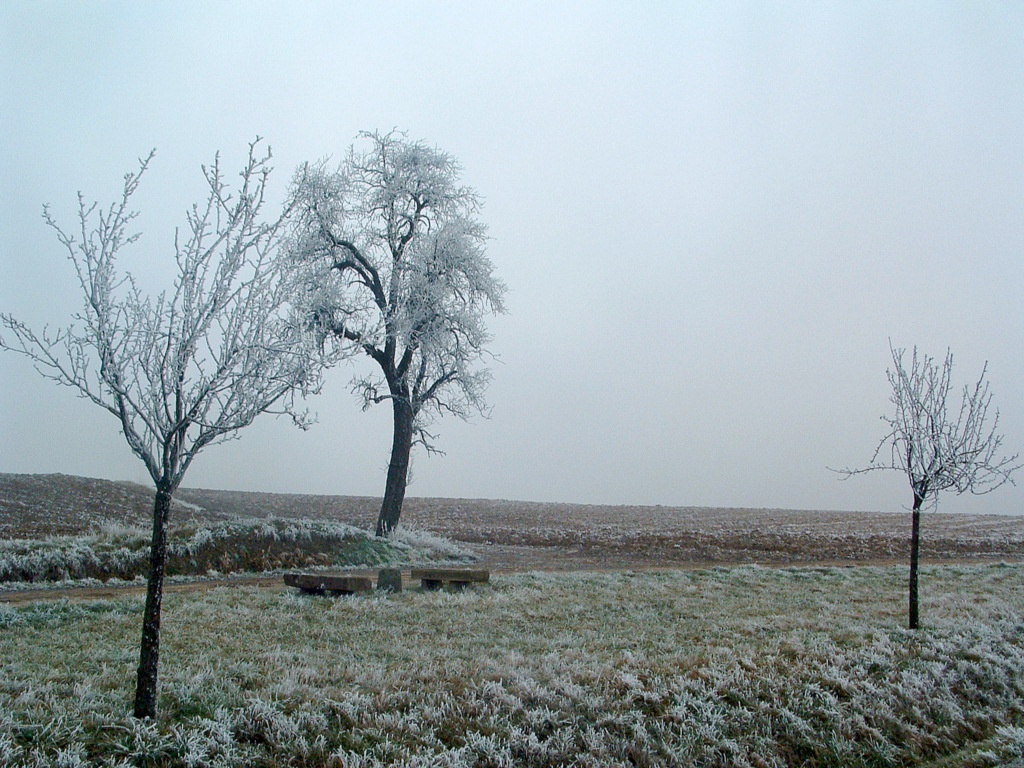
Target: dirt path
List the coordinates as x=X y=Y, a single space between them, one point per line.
x=107 y=591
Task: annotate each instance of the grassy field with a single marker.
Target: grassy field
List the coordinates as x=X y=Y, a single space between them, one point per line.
x=741 y=666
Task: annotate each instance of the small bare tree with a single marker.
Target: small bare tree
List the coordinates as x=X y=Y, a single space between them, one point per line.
x=190 y=367
x=395 y=268
x=938 y=449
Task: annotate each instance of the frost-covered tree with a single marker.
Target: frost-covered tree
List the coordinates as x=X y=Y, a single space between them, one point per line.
x=189 y=367
x=392 y=254
x=938 y=448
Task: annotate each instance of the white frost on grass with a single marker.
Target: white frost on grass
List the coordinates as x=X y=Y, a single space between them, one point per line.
x=724 y=667
x=416 y=540
x=118 y=552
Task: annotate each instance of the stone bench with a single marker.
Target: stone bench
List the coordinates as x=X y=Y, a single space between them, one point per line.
x=319 y=584
x=452 y=578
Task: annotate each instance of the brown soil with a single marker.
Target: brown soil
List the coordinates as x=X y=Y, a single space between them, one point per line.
x=512 y=535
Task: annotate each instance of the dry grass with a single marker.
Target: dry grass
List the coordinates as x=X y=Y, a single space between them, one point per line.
x=745 y=666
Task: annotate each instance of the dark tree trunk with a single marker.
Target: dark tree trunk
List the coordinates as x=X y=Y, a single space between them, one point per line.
x=915 y=544
x=149 y=655
x=398 y=469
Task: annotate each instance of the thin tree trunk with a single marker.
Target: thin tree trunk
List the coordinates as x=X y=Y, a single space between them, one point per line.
x=398 y=469
x=915 y=544
x=149 y=654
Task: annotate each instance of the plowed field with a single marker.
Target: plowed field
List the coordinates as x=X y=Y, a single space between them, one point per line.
x=529 y=535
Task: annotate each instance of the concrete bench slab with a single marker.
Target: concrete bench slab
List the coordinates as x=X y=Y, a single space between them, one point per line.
x=452 y=578
x=321 y=583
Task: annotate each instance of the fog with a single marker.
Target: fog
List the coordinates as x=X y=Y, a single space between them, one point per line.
x=711 y=218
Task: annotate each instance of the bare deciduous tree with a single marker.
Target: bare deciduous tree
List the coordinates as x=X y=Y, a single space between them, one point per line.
x=190 y=367
x=937 y=448
x=395 y=267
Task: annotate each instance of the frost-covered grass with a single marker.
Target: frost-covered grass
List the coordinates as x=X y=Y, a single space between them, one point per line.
x=119 y=552
x=746 y=666
x=423 y=545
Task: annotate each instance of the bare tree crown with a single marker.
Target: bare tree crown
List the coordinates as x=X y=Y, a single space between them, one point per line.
x=193 y=365
x=394 y=262
x=938 y=445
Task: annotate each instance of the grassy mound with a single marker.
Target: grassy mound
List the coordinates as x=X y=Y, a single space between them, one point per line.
x=252 y=546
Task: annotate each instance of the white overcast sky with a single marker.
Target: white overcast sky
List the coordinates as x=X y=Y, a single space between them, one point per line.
x=711 y=218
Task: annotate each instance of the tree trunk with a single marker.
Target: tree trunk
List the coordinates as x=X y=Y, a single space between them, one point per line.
x=149 y=655
x=915 y=543
x=398 y=469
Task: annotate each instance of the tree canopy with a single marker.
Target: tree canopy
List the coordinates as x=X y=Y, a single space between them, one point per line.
x=393 y=260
